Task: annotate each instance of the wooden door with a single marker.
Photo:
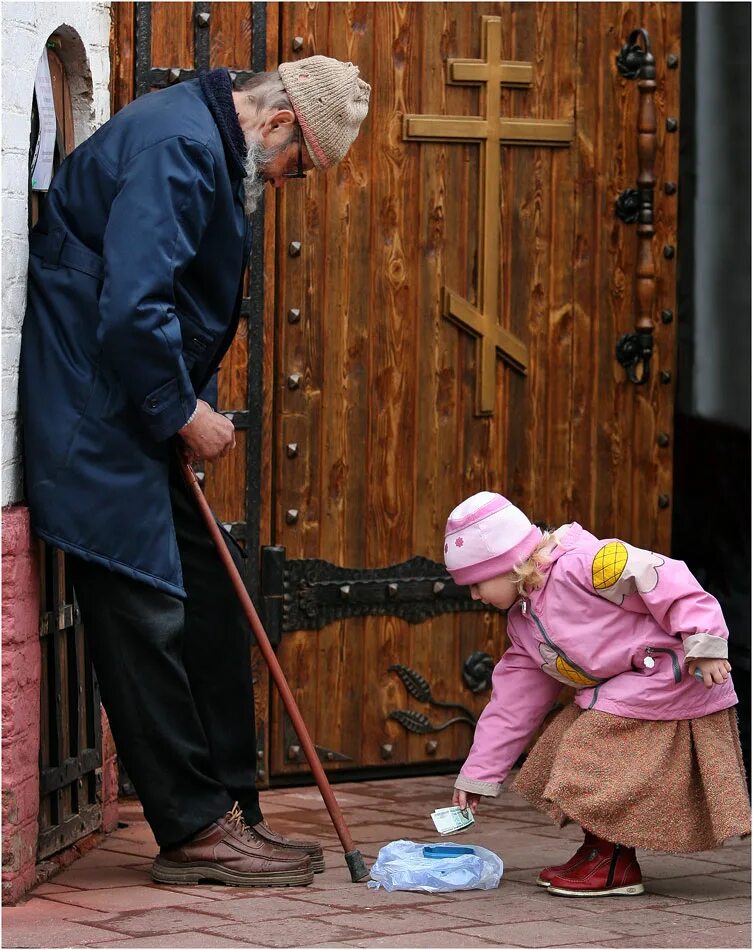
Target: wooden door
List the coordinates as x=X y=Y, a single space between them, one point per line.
x=357 y=399
x=379 y=427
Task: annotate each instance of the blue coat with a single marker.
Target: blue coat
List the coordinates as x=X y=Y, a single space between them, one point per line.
x=135 y=284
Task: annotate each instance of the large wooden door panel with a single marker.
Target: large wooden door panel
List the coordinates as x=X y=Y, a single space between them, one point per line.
x=376 y=388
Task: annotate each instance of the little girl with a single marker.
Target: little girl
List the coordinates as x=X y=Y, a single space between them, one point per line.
x=648 y=755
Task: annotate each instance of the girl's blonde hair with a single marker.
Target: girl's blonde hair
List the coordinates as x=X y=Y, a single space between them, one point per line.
x=529 y=575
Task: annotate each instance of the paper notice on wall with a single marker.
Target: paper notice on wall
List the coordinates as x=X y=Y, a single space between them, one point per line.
x=44 y=151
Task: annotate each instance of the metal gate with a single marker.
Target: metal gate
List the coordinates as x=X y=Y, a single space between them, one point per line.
x=70 y=753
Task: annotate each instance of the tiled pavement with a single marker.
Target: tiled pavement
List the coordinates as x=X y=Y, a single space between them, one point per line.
x=107 y=898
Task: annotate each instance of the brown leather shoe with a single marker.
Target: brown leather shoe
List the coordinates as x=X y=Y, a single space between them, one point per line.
x=312 y=848
x=230 y=852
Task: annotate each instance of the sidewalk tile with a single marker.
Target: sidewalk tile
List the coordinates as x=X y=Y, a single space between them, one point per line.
x=733 y=910
x=125 y=898
x=430 y=938
x=101 y=857
x=45 y=908
x=700 y=887
x=53 y=933
x=167 y=920
x=295 y=932
x=729 y=937
x=251 y=909
x=186 y=939
x=94 y=879
x=541 y=933
x=366 y=898
x=49 y=890
x=399 y=921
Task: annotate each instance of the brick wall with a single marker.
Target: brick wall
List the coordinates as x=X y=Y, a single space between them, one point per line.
x=85 y=29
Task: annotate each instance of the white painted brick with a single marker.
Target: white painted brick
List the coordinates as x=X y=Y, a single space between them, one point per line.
x=16 y=129
x=25 y=29
x=15 y=174
x=11 y=355
x=9 y=395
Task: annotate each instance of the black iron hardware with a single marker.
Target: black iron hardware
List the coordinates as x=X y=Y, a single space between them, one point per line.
x=294 y=248
x=294 y=380
x=628 y=205
x=421 y=725
x=664 y=501
x=477 y=671
x=294 y=315
x=665 y=376
x=431 y=747
x=315 y=592
x=633 y=351
x=667 y=316
x=632 y=57
x=291 y=450
x=663 y=439
x=294 y=753
x=668 y=251
x=672 y=125
x=673 y=61
x=291 y=516
x=419 y=688
x=297 y=44
x=670 y=187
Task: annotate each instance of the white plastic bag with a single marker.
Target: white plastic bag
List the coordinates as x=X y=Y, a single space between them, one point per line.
x=401 y=866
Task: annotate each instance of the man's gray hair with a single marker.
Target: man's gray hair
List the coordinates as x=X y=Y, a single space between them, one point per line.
x=266 y=91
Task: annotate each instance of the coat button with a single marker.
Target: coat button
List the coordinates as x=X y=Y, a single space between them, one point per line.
x=153 y=403
x=649 y=662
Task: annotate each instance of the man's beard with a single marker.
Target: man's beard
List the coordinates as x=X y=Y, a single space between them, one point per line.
x=257 y=159
x=254 y=183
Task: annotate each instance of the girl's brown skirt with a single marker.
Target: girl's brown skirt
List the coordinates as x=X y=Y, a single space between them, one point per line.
x=674 y=786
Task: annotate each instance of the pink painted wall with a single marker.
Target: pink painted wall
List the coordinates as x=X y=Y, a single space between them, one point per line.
x=21 y=671
x=21 y=678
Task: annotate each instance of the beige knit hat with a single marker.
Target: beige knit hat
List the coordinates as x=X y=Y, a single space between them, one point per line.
x=329 y=101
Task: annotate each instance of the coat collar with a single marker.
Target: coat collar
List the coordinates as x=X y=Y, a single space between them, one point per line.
x=217 y=88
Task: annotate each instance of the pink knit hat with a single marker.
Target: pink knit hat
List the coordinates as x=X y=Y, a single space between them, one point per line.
x=487 y=535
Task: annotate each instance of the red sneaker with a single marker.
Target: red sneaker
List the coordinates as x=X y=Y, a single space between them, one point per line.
x=582 y=854
x=608 y=869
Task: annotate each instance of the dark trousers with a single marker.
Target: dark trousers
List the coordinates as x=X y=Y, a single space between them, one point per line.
x=175 y=681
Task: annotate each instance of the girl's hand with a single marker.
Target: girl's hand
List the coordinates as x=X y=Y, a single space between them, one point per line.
x=466 y=799
x=714 y=671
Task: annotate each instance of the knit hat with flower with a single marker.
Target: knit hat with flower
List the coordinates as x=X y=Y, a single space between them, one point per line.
x=329 y=101
x=487 y=535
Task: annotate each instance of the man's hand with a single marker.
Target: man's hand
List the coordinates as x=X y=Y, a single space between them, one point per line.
x=465 y=799
x=209 y=435
x=714 y=671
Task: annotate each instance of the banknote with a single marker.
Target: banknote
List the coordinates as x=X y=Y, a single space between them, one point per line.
x=449 y=821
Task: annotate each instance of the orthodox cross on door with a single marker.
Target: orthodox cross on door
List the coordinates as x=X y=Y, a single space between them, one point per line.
x=491 y=131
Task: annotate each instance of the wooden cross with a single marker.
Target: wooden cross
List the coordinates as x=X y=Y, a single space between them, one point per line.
x=490 y=131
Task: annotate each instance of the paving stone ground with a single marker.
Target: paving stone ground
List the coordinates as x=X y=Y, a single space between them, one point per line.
x=107 y=898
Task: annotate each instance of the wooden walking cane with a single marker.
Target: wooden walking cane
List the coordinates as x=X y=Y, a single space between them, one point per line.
x=353 y=857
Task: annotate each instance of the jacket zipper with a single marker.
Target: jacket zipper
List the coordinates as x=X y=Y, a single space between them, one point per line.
x=675 y=662
x=567 y=659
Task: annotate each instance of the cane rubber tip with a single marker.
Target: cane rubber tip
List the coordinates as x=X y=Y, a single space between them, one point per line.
x=358 y=870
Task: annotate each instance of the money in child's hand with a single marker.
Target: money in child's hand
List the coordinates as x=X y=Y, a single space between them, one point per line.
x=449 y=821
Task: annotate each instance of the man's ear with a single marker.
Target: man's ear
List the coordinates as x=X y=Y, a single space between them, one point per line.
x=279 y=117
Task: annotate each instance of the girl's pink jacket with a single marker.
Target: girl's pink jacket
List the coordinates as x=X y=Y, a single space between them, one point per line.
x=616 y=622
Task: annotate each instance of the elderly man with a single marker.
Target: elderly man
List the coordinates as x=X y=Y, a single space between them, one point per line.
x=135 y=281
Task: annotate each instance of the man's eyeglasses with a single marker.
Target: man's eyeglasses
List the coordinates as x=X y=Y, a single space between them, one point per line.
x=299 y=172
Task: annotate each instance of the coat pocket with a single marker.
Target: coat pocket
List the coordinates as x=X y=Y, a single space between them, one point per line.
x=197 y=341
x=649 y=659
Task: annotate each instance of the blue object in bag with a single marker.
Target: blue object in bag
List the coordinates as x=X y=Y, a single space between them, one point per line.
x=405 y=866
x=445 y=851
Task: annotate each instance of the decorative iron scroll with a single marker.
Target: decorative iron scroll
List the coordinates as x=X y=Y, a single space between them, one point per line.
x=419 y=688
x=634 y=349
x=309 y=593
